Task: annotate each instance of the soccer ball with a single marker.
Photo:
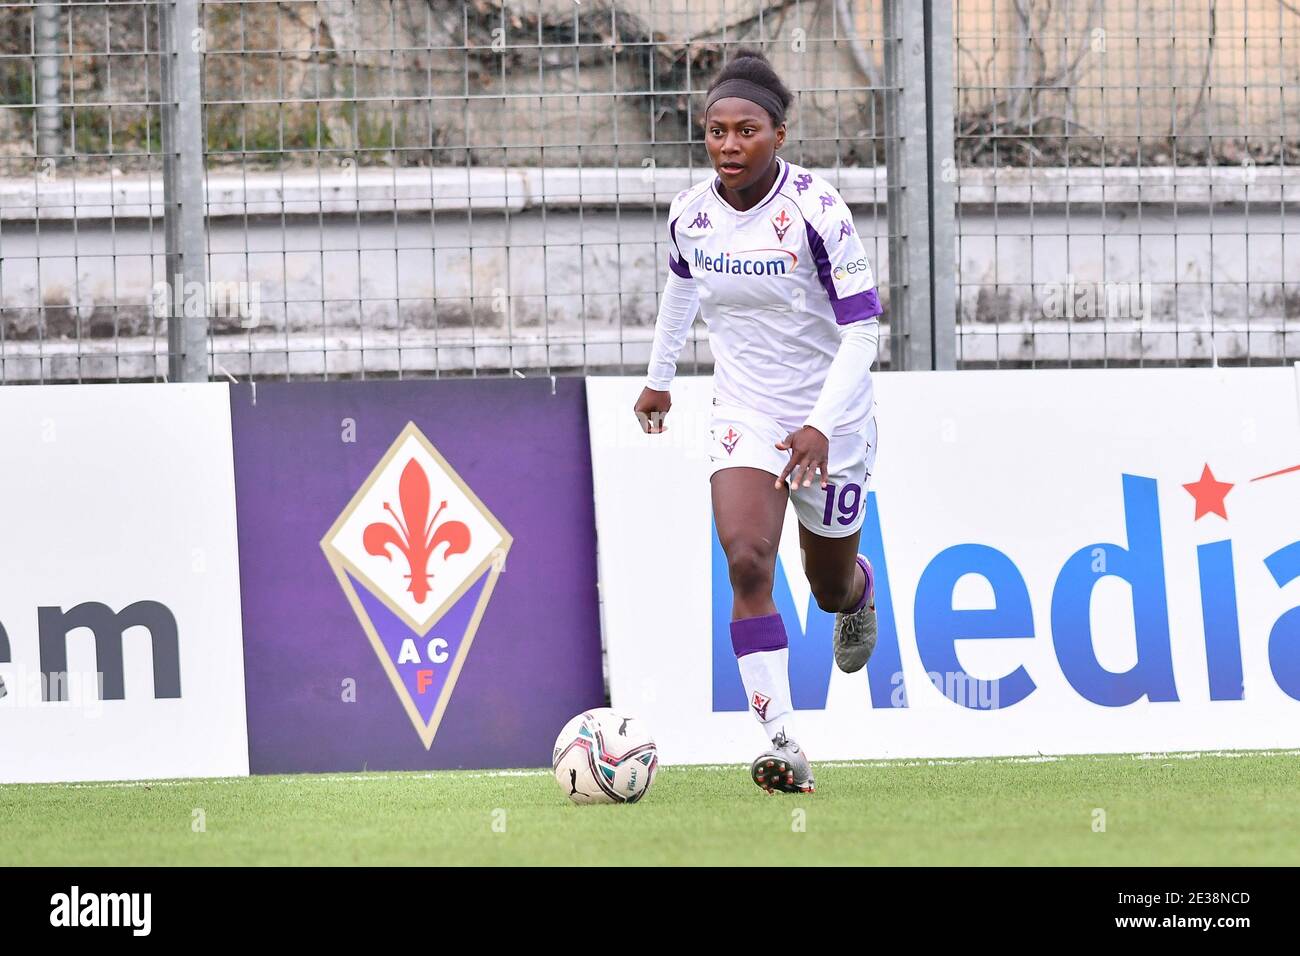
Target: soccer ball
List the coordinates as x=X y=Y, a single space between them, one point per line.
x=604 y=757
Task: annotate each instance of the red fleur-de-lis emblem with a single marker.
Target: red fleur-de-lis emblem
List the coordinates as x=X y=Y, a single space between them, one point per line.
x=419 y=535
x=780 y=223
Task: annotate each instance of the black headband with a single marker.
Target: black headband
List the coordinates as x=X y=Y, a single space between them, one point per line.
x=748 y=90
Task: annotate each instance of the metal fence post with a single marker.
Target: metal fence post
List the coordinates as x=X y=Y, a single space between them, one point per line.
x=920 y=169
x=941 y=91
x=49 y=113
x=181 y=49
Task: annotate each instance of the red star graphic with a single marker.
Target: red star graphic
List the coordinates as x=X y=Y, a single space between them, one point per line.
x=1209 y=495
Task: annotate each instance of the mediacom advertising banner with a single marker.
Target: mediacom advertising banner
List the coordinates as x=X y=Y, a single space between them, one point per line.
x=120 y=648
x=418 y=570
x=1067 y=561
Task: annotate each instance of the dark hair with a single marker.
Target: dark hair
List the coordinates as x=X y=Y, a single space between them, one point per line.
x=750 y=63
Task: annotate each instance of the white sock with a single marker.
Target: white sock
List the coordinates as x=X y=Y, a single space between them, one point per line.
x=763 y=654
x=766 y=675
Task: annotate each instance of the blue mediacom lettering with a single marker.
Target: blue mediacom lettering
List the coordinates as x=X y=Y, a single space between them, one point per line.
x=725 y=263
x=938 y=625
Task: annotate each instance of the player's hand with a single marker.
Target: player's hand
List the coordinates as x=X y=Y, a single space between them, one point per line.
x=650 y=410
x=809 y=450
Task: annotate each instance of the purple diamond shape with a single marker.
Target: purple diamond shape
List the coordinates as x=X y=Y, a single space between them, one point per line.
x=392 y=631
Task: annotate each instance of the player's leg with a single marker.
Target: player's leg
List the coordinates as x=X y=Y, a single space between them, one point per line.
x=830 y=529
x=838 y=581
x=842 y=581
x=749 y=513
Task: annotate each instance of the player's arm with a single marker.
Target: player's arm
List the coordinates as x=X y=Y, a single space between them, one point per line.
x=859 y=345
x=851 y=287
x=677 y=308
x=846 y=276
x=810 y=446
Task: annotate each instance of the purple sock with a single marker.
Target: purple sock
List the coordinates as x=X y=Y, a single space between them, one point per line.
x=868 y=590
x=752 y=634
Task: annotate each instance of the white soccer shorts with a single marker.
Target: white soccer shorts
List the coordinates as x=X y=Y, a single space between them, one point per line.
x=744 y=438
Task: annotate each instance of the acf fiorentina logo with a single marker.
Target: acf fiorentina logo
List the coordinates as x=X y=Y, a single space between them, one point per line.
x=413 y=492
x=419 y=575
x=780 y=223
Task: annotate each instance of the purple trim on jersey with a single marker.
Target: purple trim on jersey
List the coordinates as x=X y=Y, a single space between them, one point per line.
x=855 y=308
x=785 y=171
x=823 y=261
x=676 y=264
x=753 y=634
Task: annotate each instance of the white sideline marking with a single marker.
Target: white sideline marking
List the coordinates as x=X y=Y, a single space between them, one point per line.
x=835 y=764
x=287 y=778
x=1040 y=758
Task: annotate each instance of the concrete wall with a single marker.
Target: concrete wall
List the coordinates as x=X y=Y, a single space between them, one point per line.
x=456 y=271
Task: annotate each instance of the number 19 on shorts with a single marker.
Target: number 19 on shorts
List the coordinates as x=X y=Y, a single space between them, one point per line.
x=846 y=500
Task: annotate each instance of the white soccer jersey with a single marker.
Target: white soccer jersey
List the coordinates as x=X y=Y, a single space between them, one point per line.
x=775 y=283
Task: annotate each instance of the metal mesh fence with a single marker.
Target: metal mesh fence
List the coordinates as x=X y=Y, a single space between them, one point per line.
x=81 y=238
x=1125 y=182
x=479 y=188
x=428 y=188
x=402 y=188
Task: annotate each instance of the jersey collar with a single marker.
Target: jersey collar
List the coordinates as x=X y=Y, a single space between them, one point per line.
x=783 y=170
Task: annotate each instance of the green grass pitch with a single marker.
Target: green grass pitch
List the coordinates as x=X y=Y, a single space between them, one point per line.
x=1188 y=809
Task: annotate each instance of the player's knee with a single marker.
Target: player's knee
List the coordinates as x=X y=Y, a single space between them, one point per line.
x=750 y=569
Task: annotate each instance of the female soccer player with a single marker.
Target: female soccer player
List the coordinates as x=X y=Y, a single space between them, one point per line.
x=767 y=250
